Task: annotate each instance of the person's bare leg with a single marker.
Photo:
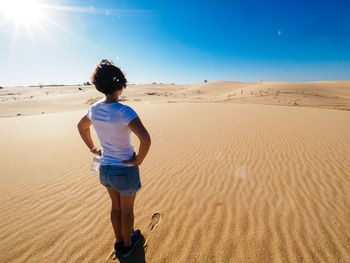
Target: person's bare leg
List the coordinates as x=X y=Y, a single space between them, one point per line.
x=116 y=213
x=127 y=215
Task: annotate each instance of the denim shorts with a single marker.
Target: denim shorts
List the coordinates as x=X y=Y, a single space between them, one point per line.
x=126 y=180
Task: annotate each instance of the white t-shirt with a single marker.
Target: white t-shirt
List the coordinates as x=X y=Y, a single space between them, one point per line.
x=110 y=121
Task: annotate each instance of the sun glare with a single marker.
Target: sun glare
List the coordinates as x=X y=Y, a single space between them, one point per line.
x=21 y=11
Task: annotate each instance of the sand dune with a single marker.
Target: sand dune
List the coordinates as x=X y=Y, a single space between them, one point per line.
x=224 y=182
x=228 y=178
x=35 y=100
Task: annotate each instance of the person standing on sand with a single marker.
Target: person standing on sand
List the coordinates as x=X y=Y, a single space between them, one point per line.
x=119 y=167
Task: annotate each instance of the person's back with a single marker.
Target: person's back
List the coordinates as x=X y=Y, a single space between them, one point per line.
x=119 y=168
x=110 y=121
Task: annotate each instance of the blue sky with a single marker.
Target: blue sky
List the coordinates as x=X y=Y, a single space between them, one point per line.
x=179 y=41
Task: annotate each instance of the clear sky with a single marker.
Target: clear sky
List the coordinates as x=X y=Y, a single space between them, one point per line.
x=183 y=41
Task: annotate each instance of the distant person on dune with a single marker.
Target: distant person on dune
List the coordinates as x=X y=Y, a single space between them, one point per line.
x=119 y=167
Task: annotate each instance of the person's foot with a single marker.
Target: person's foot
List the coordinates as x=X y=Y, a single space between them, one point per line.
x=118 y=246
x=135 y=238
x=118 y=250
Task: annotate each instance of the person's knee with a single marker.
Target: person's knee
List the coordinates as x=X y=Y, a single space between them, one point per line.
x=116 y=211
x=127 y=212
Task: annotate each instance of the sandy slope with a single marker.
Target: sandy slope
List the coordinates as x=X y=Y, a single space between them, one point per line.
x=232 y=183
x=21 y=101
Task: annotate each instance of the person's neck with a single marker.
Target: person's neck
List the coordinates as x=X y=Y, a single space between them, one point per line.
x=111 y=99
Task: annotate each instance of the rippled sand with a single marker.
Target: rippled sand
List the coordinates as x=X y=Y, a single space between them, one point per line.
x=224 y=182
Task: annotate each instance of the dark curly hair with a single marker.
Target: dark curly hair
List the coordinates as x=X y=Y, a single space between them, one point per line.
x=108 y=78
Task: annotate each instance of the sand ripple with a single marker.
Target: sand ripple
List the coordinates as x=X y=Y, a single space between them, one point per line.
x=222 y=183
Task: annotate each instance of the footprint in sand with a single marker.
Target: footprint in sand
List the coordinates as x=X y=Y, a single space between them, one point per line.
x=155 y=219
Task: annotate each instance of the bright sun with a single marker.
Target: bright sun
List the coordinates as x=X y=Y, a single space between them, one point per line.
x=21 y=11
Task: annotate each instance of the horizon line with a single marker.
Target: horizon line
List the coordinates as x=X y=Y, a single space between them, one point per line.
x=170 y=83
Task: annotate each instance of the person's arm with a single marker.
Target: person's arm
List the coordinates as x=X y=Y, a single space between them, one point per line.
x=140 y=131
x=84 y=130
